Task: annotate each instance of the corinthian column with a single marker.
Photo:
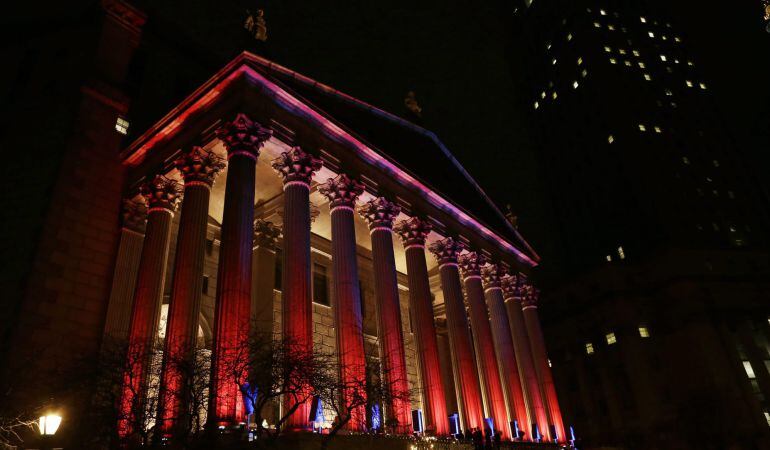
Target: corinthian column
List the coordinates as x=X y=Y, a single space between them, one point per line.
x=540 y=357
x=532 y=394
x=198 y=168
x=297 y=168
x=413 y=233
x=124 y=276
x=161 y=195
x=379 y=213
x=506 y=357
x=342 y=193
x=266 y=235
x=243 y=140
x=446 y=252
x=471 y=263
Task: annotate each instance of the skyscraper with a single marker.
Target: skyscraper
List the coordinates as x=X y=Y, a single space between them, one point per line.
x=658 y=275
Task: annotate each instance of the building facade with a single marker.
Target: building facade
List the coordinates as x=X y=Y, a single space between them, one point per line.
x=658 y=303
x=267 y=201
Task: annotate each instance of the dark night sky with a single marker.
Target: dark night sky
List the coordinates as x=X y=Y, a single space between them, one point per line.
x=453 y=55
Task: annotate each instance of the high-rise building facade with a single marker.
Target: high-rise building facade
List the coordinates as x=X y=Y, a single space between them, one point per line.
x=659 y=301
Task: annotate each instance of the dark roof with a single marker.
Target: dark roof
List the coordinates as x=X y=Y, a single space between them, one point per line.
x=417 y=150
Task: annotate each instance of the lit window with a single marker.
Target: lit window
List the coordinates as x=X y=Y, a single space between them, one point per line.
x=622 y=51
x=689 y=63
x=569 y=37
x=548 y=46
x=554 y=95
x=542 y=94
x=749 y=370
x=685 y=160
x=643 y=20
x=663 y=57
x=676 y=39
x=612 y=61
x=589 y=348
x=658 y=130
x=621 y=253
x=596 y=24
x=611 y=339
x=642 y=127
x=537 y=105
x=121 y=126
x=669 y=93
x=628 y=63
x=641 y=65
x=611 y=27
x=609 y=258
x=549 y=363
x=580 y=60
x=651 y=34
x=575 y=84
x=602 y=12
x=689 y=83
x=607 y=49
x=553 y=61
x=702 y=86
x=664 y=37
x=635 y=52
x=584 y=73
x=767 y=417
x=647 y=77
x=610 y=139
x=644 y=332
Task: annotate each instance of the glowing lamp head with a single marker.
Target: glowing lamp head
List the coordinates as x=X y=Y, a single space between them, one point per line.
x=48 y=424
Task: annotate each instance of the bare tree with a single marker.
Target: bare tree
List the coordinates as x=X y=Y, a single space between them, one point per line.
x=346 y=397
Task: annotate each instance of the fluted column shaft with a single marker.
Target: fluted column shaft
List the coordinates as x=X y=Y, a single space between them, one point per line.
x=161 y=196
x=199 y=168
x=543 y=370
x=490 y=371
x=526 y=363
x=457 y=325
x=506 y=357
x=427 y=343
x=348 y=317
x=390 y=327
x=233 y=306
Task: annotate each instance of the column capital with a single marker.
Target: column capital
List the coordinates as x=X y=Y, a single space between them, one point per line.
x=297 y=166
x=243 y=136
x=492 y=274
x=530 y=296
x=446 y=250
x=199 y=166
x=470 y=263
x=342 y=191
x=511 y=290
x=160 y=193
x=266 y=233
x=413 y=231
x=134 y=215
x=379 y=213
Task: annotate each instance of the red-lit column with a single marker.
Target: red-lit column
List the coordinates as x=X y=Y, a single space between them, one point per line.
x=198 y=168
x=506 y=357
x=297 y=168
x=342 y=193
x=243 y=139
x=446 y=252
x=161 y=195
x=380 y=213
x=532 y=393
x=540 y=357
x=413 y=233
x=471 y=263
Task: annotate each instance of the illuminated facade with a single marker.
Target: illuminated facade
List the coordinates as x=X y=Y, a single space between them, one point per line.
x=266 y=201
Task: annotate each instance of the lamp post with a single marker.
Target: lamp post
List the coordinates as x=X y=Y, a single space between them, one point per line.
x=47 y=425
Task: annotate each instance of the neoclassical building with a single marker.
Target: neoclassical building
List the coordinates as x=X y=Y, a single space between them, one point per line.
x=269 y=201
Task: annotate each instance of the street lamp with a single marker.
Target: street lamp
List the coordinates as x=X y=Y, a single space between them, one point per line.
x=47 y=425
